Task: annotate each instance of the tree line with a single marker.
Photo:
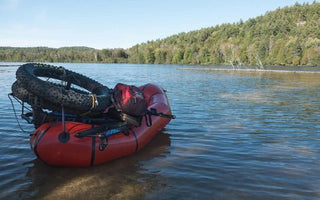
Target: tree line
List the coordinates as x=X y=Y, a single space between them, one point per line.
x=64 y=54
x=286 y=36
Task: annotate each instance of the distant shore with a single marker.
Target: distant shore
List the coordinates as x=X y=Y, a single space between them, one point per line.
x=251 y=70
x=214 y=69
x=9 y=65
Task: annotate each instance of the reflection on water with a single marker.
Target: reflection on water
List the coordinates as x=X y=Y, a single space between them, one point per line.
x=120 y=179
x=289 y=83
x=236 y=136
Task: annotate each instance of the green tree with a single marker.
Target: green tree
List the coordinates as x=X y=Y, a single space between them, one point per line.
x=149 y=56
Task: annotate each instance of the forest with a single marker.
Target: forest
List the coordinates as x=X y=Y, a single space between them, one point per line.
x=286 y=36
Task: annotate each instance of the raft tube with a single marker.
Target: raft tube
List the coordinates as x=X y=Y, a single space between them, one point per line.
x=72 y=151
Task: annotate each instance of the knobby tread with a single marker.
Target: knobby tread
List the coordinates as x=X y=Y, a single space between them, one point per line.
x=53 y=95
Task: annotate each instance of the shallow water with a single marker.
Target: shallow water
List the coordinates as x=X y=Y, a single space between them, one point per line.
x=236 y=136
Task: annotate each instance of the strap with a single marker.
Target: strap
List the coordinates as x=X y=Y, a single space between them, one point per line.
x=105 y=130
x=94 y=105
x=153 y=111
x=148 y=119
x=136 y=121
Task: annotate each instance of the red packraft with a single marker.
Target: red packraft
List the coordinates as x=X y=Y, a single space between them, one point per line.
x=129 y=99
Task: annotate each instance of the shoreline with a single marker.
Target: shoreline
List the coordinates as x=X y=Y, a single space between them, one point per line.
x=251 y=70
x=9 y=65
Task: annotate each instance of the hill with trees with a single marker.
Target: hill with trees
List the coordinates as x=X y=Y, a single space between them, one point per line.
x=286 y=36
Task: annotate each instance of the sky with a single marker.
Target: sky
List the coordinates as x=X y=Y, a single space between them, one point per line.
x=105 y=24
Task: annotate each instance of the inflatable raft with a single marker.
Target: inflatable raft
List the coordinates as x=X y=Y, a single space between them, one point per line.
x=86 y=135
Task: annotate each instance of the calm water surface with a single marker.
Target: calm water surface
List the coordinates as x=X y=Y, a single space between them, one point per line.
x=236 y=136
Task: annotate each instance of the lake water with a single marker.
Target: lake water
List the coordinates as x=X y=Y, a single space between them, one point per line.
x=236 y=136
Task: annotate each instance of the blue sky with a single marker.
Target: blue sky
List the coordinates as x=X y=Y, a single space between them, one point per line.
x=117 y=23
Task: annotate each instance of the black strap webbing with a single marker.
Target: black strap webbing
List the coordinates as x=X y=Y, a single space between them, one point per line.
x=154 y=112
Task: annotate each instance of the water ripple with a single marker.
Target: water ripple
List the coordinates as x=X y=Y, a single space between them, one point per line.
x=236 y=136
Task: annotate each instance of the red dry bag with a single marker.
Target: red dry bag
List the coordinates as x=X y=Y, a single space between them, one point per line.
x=129 y=99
